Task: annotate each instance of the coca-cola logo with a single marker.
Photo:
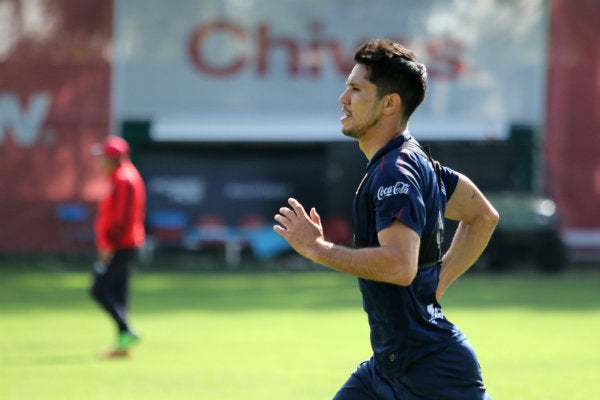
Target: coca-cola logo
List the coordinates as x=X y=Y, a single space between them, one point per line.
x=397 y=188
x=252 y=49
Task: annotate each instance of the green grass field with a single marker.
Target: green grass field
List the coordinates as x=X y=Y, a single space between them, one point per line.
x=278 y=334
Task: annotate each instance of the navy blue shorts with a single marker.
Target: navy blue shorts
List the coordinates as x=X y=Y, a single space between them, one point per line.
x=452 y=374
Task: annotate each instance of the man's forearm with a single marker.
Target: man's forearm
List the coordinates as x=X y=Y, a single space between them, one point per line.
x=373 y=263
x=468 y=243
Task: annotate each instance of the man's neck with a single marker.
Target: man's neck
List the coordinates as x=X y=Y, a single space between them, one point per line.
x=372 y=142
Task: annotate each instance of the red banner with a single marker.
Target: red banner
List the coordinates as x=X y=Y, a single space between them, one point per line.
x=54 y=104
x=573 y=117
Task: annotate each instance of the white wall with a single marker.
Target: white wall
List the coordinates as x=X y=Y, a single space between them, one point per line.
x=239 y=80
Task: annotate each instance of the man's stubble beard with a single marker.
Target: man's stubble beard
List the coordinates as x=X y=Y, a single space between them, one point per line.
x=358 y=132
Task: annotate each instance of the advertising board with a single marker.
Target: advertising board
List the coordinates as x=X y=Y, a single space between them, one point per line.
x=273 y=71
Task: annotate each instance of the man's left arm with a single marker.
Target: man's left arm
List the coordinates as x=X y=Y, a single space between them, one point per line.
x=122 y=209
x=477 y=220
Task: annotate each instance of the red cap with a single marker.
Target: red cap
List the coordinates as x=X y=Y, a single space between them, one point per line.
x=113 y=147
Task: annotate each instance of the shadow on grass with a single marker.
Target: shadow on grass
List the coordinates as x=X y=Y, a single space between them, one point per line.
x=31 y=289
x=155 y=291
x=50 y=360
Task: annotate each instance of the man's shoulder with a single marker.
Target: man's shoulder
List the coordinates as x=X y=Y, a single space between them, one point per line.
x=397 y=162
x=127 y=172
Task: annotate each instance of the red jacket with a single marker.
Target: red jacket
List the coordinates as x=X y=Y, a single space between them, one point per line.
x=121 y=213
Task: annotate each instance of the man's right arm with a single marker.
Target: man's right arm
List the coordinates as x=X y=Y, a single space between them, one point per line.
x=477 y=220
x=393 y=261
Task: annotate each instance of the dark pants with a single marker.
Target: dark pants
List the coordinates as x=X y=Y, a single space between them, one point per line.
x=110 y=286
x=452 y=374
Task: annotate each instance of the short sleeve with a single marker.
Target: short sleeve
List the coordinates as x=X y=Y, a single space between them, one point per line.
x=397 y=195
x=450 y=179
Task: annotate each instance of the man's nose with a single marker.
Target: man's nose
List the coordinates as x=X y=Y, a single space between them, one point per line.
x=344 y=97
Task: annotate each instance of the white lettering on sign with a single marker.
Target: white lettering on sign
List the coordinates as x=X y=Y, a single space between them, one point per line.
x=386 y=191
x=23 y=121
x=257 y=190
x=182 y=190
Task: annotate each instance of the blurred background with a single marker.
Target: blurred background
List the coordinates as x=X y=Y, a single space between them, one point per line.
x=230 y=107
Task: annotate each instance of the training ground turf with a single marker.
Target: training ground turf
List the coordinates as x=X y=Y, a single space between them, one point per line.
x=277 y=334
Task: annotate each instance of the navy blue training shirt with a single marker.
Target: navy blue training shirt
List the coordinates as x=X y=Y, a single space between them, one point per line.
x=406 y=323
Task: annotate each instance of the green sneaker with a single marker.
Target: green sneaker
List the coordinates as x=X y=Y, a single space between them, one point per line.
x=126 y=340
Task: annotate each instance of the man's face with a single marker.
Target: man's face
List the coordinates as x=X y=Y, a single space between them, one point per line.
x=107 y=165
x=360 y=104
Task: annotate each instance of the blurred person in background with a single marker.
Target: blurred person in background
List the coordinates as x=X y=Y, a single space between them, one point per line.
x=399 y=210
x=119 y=232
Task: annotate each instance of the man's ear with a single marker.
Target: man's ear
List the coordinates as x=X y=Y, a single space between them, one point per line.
x=392 y=103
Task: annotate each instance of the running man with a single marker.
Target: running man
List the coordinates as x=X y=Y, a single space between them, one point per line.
x=399 y=208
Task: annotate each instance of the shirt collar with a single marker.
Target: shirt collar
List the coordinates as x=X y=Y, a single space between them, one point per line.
x=392 y=144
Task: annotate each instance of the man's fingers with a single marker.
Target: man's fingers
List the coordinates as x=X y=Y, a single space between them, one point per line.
x=314 y=216
x=280 y=218
x=279 y=229
x=298 y=208
x=287 y=212
x=285 y=219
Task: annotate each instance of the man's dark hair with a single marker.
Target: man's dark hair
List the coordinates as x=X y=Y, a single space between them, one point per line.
x=393 y=68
